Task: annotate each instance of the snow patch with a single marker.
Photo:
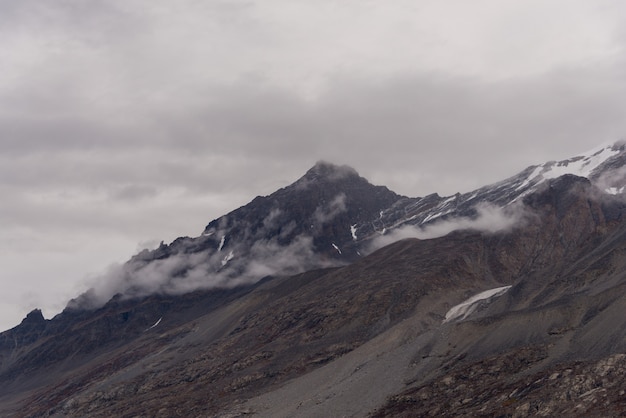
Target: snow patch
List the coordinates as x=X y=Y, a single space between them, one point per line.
x=155 y=324
x=520 y=196
x=229 y=257
x=530 y=177
x=353 y=231
x=442 y=209
x=615 y=190
x=433 y=216
x=581 y=166
x=466 y=308
x=336 y=248
x=473 y=196
x=222 y=243
x=448 y=200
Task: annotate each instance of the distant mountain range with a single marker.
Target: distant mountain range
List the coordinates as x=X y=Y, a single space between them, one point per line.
x=335 y=297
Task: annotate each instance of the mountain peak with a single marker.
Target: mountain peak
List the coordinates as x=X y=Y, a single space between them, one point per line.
x=33 y=317
x=326 y=170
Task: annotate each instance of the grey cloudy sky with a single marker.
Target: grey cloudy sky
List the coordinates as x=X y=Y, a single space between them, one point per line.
x=127 y=122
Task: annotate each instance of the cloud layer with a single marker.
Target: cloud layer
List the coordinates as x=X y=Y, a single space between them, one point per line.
x=183 y=272
x=488 y=218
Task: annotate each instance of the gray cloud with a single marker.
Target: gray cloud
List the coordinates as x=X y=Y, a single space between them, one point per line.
x=134 y=192
x=327 y=212
x=488 y=219
x=384 y=132
x=229 y=266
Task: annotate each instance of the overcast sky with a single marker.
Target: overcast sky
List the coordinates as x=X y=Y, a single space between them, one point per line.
x=128 y=122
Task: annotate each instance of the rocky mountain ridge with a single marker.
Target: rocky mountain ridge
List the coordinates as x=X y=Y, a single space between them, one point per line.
x=343 y=328
x=329 y=217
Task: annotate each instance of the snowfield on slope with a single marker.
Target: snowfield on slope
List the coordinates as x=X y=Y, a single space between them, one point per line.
x=466 y=308
x=581 y=166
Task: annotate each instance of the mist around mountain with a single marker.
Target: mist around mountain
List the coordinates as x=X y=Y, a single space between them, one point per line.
x=335 y=297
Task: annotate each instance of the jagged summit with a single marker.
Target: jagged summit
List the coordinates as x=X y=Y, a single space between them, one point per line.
x=325 y=206
x=329 y=171
x=325 y=174
x=33 y=317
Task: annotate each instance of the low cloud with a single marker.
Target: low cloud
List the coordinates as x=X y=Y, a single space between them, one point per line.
x=488 y=219
x=612 y=181
x=227 y=266
x=326 y=213
x=219 y=262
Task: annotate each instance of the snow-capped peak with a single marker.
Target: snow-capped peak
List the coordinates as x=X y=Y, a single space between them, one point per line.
x=582 y=166
x=595 y=165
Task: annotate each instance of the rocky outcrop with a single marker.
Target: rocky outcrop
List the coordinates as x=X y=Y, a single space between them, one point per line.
x=503 y=386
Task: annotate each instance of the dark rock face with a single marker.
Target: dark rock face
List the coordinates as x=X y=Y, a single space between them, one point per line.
x=28 y=332
x=365 y=337
x=309 y=224
x=324 y=204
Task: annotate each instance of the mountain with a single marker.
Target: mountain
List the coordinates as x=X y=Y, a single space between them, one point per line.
x=335 y=297
x=309 y=224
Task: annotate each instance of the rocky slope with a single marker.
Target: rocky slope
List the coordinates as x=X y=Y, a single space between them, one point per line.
x=356 y=332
